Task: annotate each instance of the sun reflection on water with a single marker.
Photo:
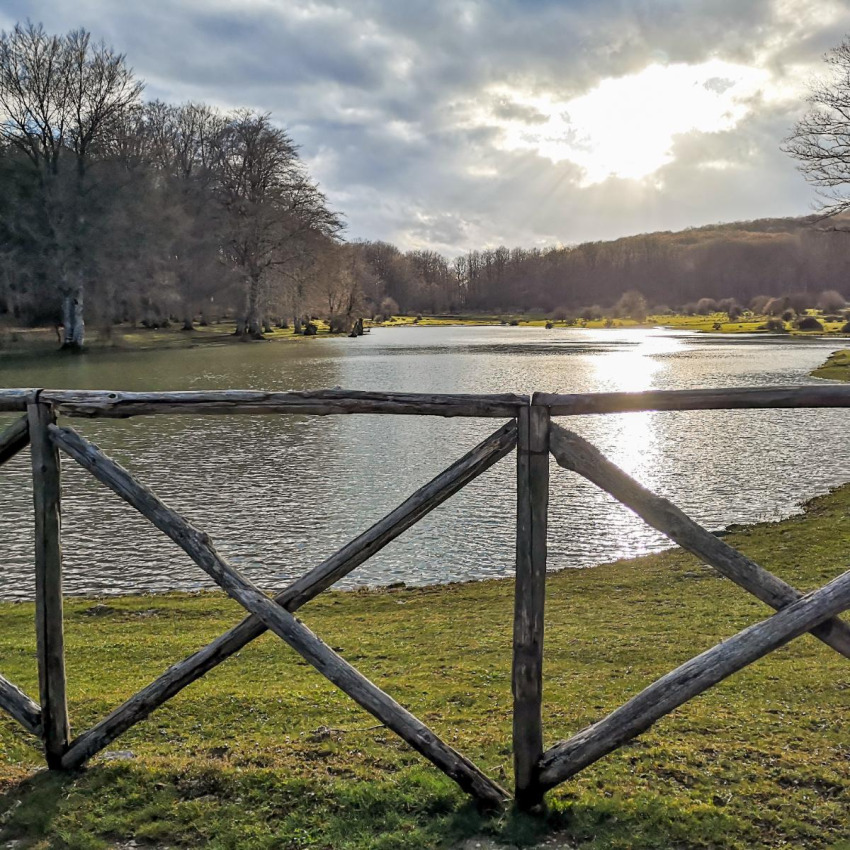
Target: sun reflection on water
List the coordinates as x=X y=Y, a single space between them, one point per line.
x=632 y=438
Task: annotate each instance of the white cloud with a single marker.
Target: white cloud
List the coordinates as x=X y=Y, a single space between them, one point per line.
x=625 y=127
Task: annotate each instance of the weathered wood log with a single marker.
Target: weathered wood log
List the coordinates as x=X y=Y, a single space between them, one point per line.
x=93 y=403
x=50 y=639
x=177 y=677
x=16 y=399
x=529 y=600
x=14 y=439
x=199 y=547
x=20 y=706
x=712 y=399
x=575 y=453
x=691 y=679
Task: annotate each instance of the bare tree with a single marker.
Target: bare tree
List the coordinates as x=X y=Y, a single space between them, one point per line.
x=272 y=207
x=62 y=98
x=820 y=141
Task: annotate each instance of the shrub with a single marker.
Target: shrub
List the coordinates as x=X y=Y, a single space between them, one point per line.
x=758 y=304
x=633 y=305
x=389 y=306
x=705 y=306
x=774 y=325
x=788 y=316
x=809 y=323
x=829 y=301
x=846 y=328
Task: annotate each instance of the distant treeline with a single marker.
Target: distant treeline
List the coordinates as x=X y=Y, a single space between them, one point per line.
x=793 y=259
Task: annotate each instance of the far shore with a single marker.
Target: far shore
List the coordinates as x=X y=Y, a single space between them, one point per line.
x=20 y=341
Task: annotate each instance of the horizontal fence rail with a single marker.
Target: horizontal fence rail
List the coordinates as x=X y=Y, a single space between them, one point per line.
x=528 y=431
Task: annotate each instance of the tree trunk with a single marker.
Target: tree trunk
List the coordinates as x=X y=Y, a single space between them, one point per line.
x=72 y=318
x=253 y=319
x=296 y=324
x=188 y=324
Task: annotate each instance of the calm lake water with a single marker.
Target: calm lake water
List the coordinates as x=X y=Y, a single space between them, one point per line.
x=280 y=493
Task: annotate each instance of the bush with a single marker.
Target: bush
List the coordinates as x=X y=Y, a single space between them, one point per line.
x=705 y=306
x=829 y=301
x=788 y=316
x=589 y=314
x=631 y=305
x=774 y=325
x=389 y=307
x=758 y=304
x=809 y=323
x=846 y=328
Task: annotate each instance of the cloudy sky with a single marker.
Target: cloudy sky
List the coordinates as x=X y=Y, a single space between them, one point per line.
x=458 y=124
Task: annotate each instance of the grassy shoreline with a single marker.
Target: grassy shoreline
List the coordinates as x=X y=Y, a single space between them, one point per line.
x=836 y=367
x=16 y=341
x=263 y=753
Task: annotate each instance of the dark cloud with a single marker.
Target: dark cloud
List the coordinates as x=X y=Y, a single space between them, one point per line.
x=400 y=107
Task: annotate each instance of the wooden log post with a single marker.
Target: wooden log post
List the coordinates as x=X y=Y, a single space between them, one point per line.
x=691 y=679
x=301 y=591
x=529 y=598
x=48 y=584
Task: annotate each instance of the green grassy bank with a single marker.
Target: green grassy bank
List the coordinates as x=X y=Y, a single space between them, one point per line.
x=712 y=323
x=263 y=753
x=837 y=367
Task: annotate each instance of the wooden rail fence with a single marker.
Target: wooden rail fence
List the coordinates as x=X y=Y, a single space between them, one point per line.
x=530 y=431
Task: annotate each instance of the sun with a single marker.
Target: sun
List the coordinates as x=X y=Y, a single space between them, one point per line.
x=627 y=126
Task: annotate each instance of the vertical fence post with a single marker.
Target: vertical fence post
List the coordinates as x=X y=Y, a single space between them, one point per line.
x=48 y=584
x=527 y=678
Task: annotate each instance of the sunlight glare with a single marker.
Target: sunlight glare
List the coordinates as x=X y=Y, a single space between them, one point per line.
x=626 y=126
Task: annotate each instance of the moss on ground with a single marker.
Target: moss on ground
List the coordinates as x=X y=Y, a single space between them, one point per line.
x=263 y=753
x=836 y=368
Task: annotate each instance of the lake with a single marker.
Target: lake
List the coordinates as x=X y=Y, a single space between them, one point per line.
x=278 y=494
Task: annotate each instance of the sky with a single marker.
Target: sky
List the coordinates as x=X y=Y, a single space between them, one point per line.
x=461 y=124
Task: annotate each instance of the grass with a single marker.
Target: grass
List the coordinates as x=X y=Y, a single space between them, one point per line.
x=263 y=753
x=29 y=341
x=837 y=366
x=714 y=323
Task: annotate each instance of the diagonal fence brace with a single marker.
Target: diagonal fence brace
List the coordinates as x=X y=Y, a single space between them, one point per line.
x=14 y=439
x=578 y=455
x=199 y=547
x=349 y=557
x=691 y=679
x=25 y=710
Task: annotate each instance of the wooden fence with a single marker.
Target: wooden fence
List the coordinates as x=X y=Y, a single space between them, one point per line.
x=530 y=431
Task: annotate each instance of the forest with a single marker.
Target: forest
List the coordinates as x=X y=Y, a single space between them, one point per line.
x=117 y=210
